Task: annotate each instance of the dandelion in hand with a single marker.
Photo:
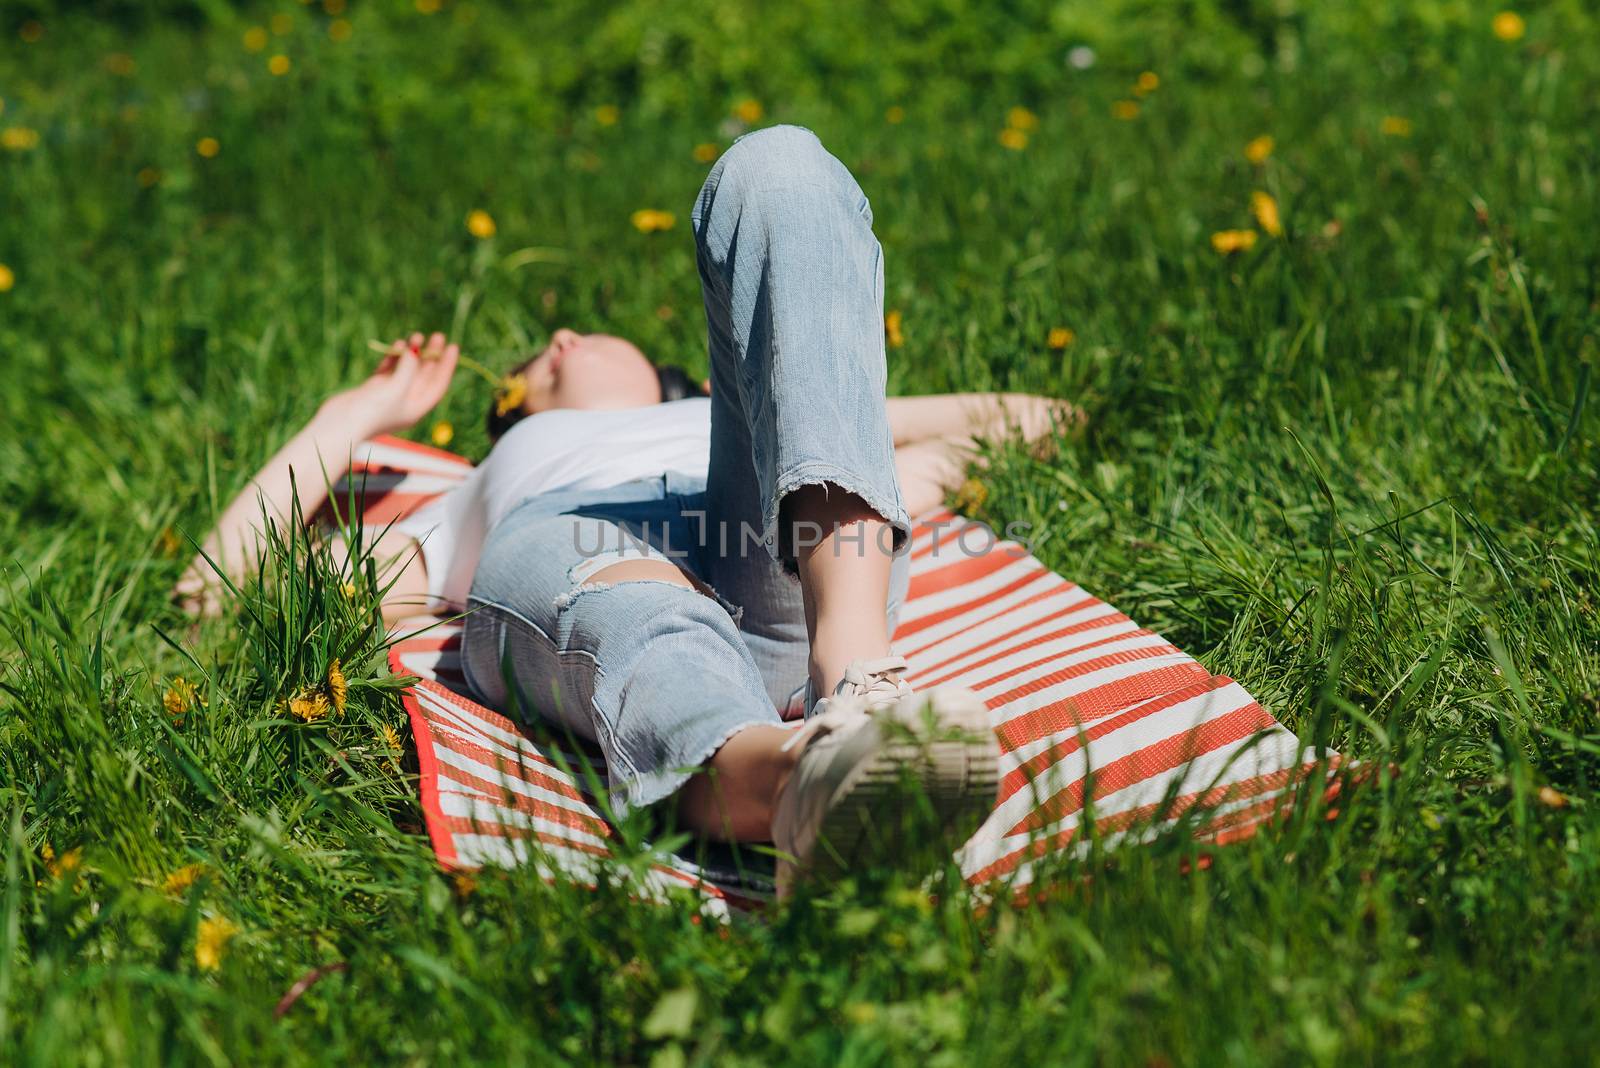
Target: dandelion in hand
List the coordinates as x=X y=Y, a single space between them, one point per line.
x=509 y=394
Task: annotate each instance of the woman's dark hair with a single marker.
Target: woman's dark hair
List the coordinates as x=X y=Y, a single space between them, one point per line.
x=675 y=385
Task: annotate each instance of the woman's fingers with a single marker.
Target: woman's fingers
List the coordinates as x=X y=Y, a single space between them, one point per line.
x=434 y=347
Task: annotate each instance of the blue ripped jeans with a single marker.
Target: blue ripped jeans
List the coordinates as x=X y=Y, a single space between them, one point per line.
x=660 y=675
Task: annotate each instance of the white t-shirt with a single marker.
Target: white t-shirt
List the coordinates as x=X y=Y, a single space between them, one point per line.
x=557 y=450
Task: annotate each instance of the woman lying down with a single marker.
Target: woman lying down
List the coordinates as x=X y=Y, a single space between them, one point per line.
x=659 y=570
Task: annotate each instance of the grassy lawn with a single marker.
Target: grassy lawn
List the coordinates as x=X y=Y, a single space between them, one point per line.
x=1351 y=465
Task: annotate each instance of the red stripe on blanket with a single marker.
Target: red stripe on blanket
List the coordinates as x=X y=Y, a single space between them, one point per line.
x=1148 y=763
x=911 y=628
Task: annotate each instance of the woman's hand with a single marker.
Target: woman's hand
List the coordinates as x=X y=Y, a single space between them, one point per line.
x=409 y=382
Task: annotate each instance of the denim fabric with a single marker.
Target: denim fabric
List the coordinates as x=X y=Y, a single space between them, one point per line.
x=657 y=674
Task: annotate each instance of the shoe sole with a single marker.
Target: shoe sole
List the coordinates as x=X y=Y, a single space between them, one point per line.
x=960 y=777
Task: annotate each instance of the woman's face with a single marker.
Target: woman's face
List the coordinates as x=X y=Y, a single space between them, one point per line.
x=589 y=371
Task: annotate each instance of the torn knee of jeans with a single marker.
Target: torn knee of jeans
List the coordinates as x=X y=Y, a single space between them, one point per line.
x=592 y=578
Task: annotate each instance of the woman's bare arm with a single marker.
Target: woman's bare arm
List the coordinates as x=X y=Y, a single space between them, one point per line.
x=411 y=379
x=936 y=437
x=977 y=415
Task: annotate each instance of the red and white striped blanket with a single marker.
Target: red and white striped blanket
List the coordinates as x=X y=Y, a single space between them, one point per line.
x=1099 y=719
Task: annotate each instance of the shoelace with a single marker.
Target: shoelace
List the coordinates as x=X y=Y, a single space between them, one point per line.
x=866 y=678
x=863 y=679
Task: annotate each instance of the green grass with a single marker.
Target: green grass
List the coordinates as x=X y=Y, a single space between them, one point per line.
x=1352 y=467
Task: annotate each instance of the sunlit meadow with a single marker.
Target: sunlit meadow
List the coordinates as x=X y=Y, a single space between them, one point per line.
x=1325 y=277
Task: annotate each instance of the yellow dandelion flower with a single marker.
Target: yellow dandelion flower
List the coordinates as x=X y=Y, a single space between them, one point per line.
x=255 y=39
x=972 y=495
x=333 y=7
x=1395 y=126
x=181 y=696
x=1020 y=118
x=8 y=278
x=1509 y=26
x=1265 y=209
x=705 y=152
x=895 y=115
x=442 y=433
x=207 y=147
x=65 y=864
x=31 y=31
x=509 y=394
x=891 y=329
x=211 y=939
x=391 y=741
x=1060 y=337
x=183 y=878
x=1259 y=148
x=121 y=64
x=1147 y=82
x=340 y=30
x=278 y=65
x=1126 y=110
x=19 y=138
x=607 y=114
x=308 y=706
x=650 y=220
x=338 y=687
x=429 y=7
x=349 y=591
x=281 y=24
x=1014 y=139
x=480 y=224
x=1228 y=242
x=749 y=110
x=148 y=177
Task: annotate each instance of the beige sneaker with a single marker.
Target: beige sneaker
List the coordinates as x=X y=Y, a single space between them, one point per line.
x=875 y=683
x=842 y=804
